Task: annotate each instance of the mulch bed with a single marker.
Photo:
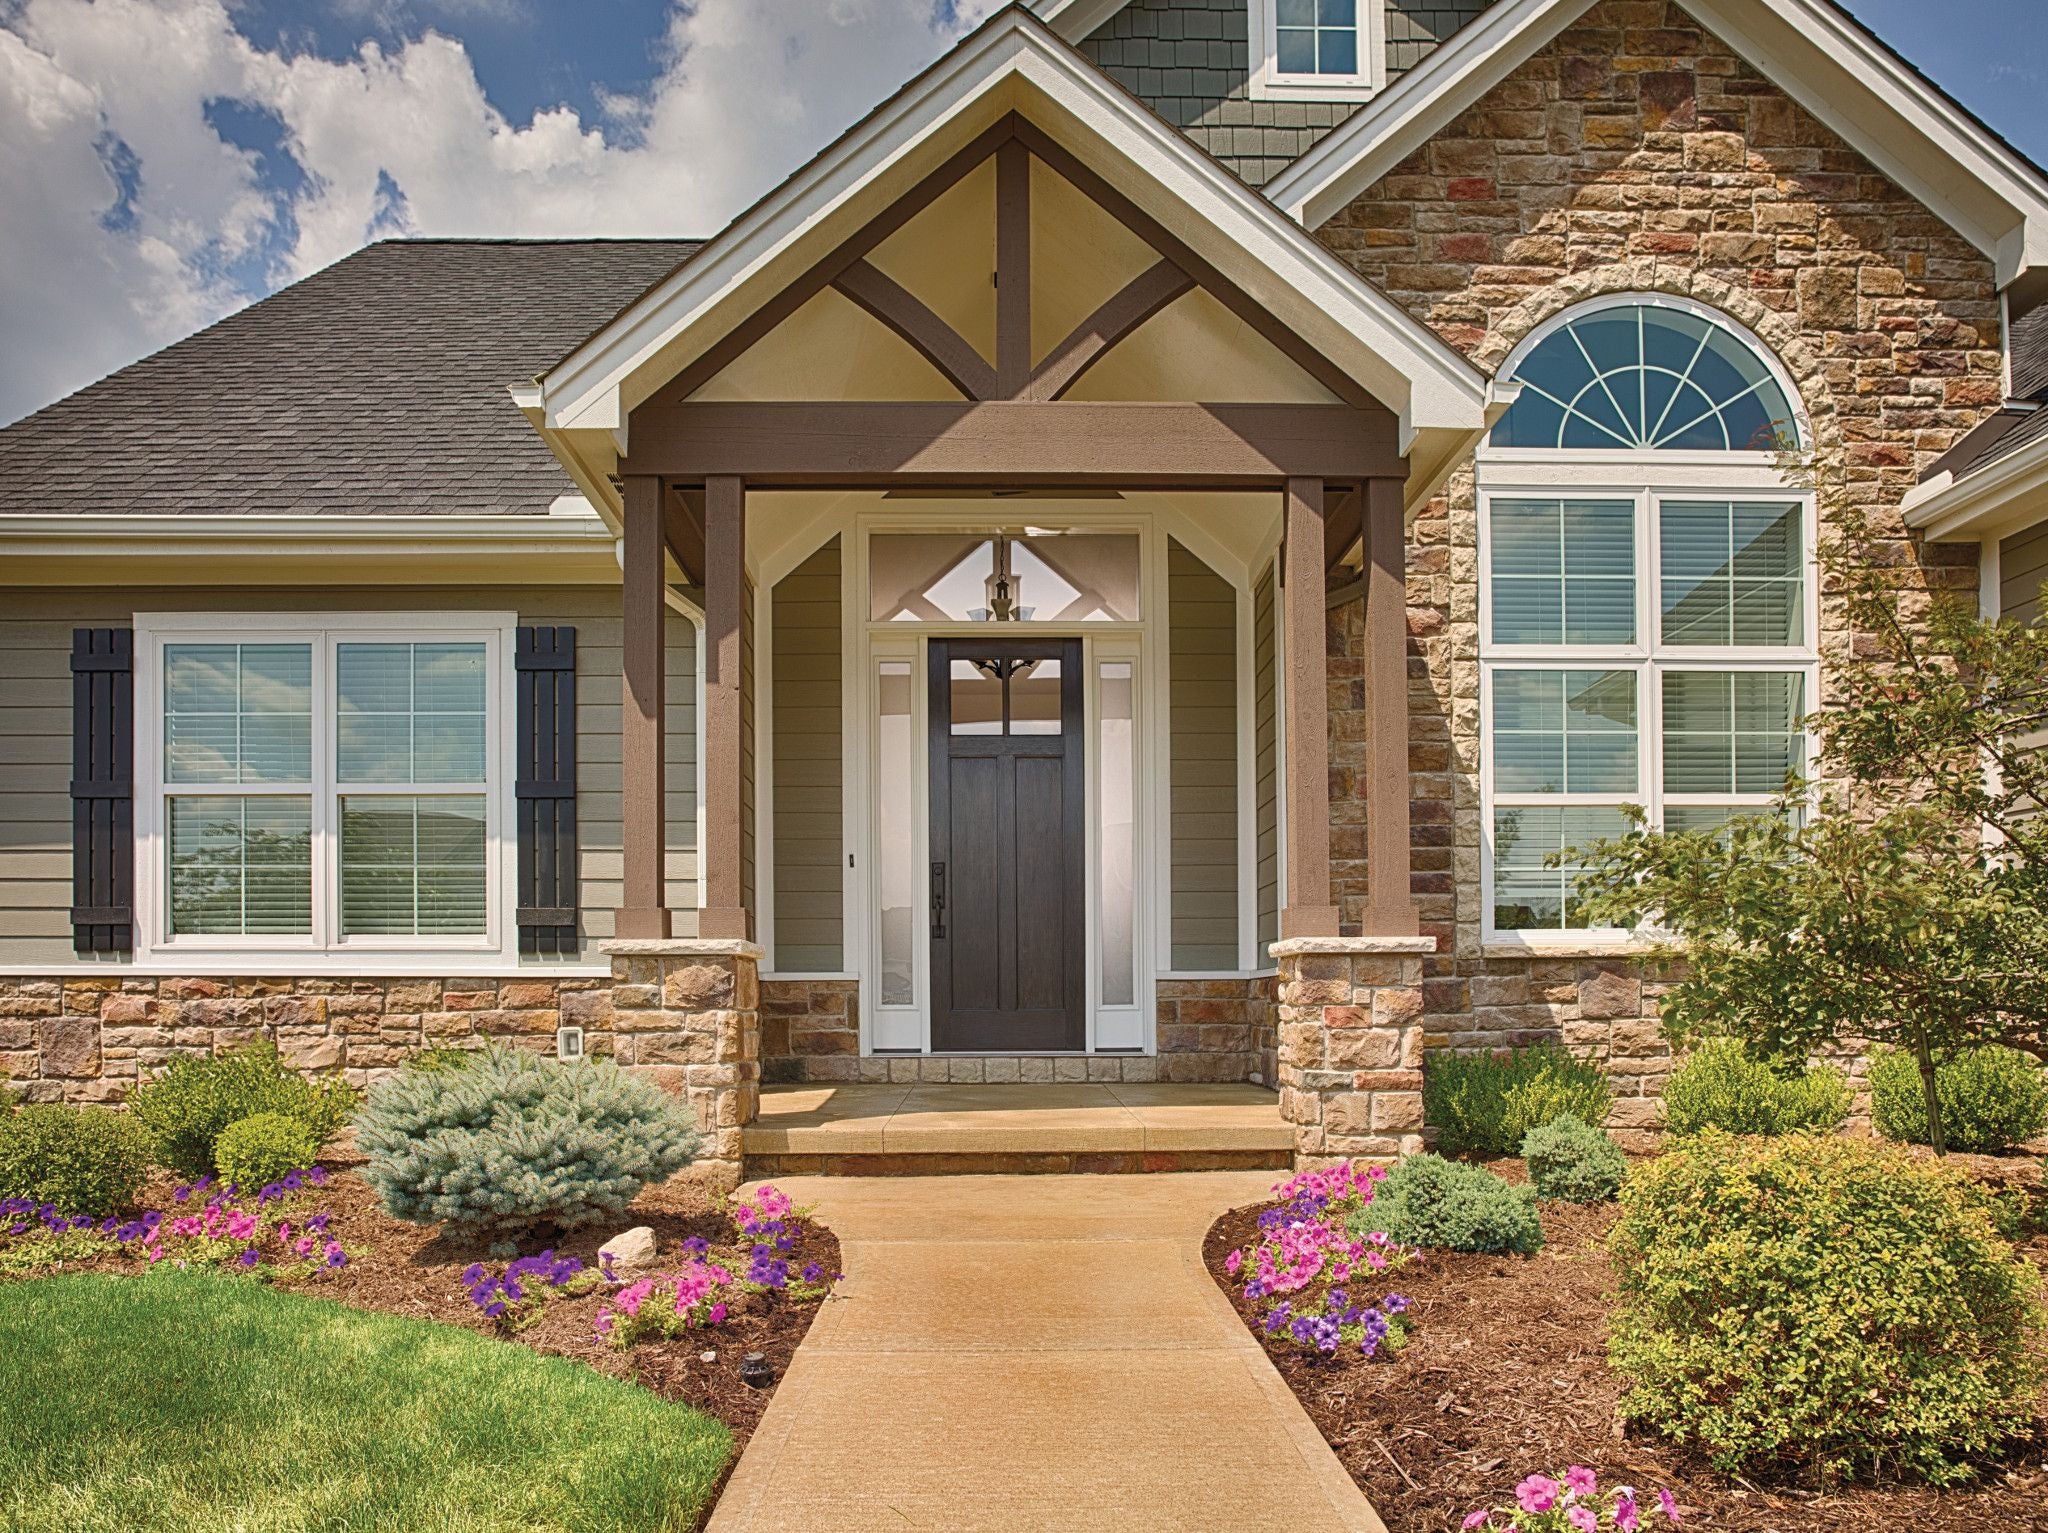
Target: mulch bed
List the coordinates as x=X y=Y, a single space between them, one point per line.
x=407 y=1269
x=1505 y=1374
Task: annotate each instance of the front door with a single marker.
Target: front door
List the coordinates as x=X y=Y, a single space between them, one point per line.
x=1007 y=845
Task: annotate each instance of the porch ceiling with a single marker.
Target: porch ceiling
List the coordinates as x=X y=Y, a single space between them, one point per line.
x=1013 y=69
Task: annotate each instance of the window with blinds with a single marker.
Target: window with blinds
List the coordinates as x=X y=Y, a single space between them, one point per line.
x=328 y=789
x=1646 y=623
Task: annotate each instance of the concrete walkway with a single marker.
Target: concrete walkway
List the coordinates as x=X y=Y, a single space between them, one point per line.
x=1033 y=1353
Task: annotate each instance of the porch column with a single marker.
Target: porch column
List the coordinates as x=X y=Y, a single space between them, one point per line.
x=1390 y=908
x=1306 y=910
x=644 y=910
x=725 y=593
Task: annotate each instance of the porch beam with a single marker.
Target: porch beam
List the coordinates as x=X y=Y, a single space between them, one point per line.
x=927 y=334
x=683 y=524
x=1390 y=905
x=1013 y=271
x=1015 y=443
x=1343 y=523
x=1121 y=313
x=1306 y=910
x=725 y=593
x=643 y=911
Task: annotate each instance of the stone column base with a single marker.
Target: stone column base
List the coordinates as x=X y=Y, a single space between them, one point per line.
x=687 y=1011
x=1350 y=1047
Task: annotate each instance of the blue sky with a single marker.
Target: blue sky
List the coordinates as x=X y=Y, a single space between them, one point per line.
x=163 y=161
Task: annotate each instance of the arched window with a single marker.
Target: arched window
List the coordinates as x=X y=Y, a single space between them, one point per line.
x=1647 y=618
x=1646 y=376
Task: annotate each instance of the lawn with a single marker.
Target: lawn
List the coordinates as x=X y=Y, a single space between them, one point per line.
x=201 y=1401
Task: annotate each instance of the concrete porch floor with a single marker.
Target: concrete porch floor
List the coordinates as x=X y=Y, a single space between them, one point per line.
x=1067 y=1126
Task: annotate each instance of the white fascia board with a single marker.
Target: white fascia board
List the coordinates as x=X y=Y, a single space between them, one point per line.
x=2001 y=498
x=1350 y=159
x=1075 y=19
x=1014 y=61
x=1818 y=56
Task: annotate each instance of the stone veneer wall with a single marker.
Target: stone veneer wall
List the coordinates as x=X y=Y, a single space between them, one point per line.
x=1351 y=1046
x=1637 y=153
x=689 y=1021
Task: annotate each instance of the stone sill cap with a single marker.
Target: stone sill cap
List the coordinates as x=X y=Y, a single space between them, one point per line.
x=682 y=947
x=1295 y=947
x=1590 y=947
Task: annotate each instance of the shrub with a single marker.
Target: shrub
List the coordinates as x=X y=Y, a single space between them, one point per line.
x=1723 y=1086
x=262 y=1148
x=1820 y=1305
x=1991 y=1098
x=1430 y=1201
x=188 y=1106
x=1573 y=1162
x=1484 y=1104
x=85 y=1160
x=516 y=1143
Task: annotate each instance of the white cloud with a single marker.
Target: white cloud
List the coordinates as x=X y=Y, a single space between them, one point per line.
x=749 y=89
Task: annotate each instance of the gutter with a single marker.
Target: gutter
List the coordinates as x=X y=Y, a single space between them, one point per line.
x=2002 y=497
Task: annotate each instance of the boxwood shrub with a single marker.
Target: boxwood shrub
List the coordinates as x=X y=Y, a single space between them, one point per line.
x=1991 y=1098
x=1485 y=1104
x=1573 y=1162
x=86 y=1160
x=1451 y=1206
x=263 y=1148
x=1821 y=1307
x=514 y=1143
x=1722 y=1086
x=190 y=1104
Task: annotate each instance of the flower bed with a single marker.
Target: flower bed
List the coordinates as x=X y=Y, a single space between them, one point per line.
x=327 y=1236
x=1504 y=1378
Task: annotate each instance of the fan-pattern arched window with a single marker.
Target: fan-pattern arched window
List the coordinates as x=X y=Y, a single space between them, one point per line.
x=1647 y=619
x=1646 y=377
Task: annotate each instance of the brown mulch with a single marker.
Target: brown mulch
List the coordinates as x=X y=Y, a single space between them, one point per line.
x=407 y=1269
x=1505 y=1374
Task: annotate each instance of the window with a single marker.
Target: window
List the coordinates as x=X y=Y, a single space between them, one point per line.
x=1647 y=596
x=320 y=785
x=1317 y=50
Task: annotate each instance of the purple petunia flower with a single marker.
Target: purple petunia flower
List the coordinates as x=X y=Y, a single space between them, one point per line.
x=248 y=1258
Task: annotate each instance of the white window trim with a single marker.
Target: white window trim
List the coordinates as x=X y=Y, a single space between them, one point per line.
x=324 y=950
x=1267 y=83
x=1647 y=657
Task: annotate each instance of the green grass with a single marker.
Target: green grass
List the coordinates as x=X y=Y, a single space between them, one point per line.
x=194 y=1400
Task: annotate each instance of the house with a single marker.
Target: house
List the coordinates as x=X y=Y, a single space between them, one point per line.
x=1121 y=569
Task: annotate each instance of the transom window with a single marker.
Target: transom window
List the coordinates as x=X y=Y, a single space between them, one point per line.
x=1644 y=376
x=1646 y=623
x=322 y=785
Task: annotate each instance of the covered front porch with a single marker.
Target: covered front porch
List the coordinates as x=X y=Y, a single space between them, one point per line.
x=1010 y=515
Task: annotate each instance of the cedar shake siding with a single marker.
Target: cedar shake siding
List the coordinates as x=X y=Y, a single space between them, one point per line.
x=35 y=736
x=1189 y=60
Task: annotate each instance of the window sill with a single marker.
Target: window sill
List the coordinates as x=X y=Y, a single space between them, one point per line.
x=1626 y=945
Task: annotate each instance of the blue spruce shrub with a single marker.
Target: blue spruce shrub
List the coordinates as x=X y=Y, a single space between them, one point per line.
x=1449 y=1205
x=515 y=1143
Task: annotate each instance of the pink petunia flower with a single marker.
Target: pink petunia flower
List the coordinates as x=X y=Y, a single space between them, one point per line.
x=1477 y=1520
x=1582 y=1518
x=1625 y=1516
x=1538 y=1493
x=1581 y=1481
x=1670 y=1505
x=1232 y=1262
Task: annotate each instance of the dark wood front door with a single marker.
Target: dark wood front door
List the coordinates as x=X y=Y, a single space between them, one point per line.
x=1007 y=796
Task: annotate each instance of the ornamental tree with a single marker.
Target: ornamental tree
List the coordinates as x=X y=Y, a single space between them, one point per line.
x=1900 y=897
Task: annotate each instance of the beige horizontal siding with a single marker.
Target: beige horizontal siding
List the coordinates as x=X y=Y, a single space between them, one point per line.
x=1202 y=656
x=810 y=914
x=35 y=735
x=2022 y=569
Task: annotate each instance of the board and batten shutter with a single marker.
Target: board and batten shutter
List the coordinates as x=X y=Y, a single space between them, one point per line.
x=545 y=664
x=102 y=790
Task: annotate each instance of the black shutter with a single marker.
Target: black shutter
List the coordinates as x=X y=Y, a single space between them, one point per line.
x=102 y=790
x=546 y=666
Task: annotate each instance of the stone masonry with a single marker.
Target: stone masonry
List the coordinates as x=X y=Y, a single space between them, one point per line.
x=1636 y=153
x=1350 y=1046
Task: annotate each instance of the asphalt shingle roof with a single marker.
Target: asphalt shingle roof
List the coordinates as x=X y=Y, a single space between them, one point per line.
x=376 y=386
x=1999 y=436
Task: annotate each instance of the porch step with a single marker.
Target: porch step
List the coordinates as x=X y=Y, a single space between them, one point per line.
x=911 y=1130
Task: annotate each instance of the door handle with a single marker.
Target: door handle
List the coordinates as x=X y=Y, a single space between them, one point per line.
x=938 y=899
